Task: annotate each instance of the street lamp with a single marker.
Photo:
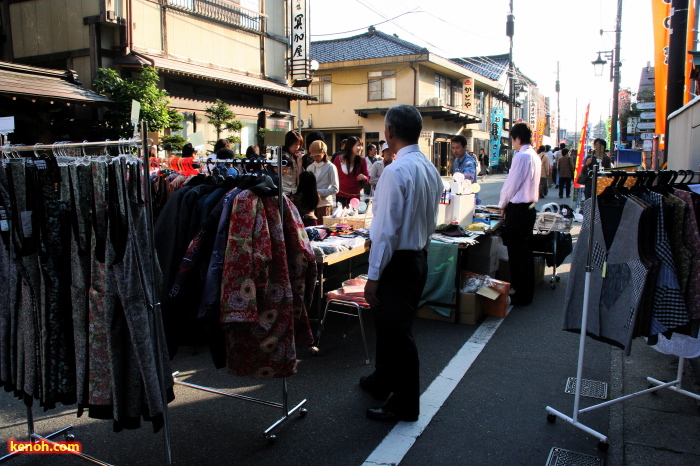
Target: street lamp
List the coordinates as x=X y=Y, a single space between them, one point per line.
x=598 y=65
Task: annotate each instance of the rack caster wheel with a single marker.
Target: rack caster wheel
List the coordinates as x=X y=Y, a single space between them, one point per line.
x=69 y=437
x=314 y=350
x=551 y=418
x=603 y=446
x=271 y=438
x=303 y=412
x=558 y=278
x=552 y=286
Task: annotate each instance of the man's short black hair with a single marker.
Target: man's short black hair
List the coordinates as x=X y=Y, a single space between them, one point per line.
x=460 y=139
x=548 y=147
x=564 y=151
x=405 y=121
x=602 y=142
x=522 y=131
x=562 y=145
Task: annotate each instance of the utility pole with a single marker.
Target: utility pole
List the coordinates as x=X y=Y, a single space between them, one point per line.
x=558 y=88
x=615 y=66
x=510 y=32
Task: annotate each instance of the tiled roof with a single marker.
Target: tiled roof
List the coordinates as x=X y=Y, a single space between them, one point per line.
x=42 y=83
x=491 y=67
x=372 y=44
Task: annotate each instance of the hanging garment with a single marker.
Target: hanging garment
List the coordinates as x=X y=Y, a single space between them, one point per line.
x=616 y=281
x=691 y=240
x=257 y=299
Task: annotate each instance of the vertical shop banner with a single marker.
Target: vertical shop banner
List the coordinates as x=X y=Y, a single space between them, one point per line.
x=690 y=45
x=300 y=41
x=578 y=163
x=608 y=136
x=468 y=94
x=496 y=130
x=541 y=126
x=661 y=19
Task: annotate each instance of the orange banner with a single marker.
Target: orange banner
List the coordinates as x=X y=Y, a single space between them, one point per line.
x=690 y=45
x=661 y=18
x=581 y=148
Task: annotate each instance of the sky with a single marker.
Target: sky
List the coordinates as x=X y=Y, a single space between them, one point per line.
x=546 y=31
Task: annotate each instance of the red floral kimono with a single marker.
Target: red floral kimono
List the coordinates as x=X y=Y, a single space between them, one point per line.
x=269 y=270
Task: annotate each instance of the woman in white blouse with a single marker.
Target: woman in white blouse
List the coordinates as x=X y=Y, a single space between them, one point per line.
x=326 y=178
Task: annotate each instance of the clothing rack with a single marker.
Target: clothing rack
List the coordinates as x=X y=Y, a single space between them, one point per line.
x=59 y=148
x=284 y=405
x=675 y=385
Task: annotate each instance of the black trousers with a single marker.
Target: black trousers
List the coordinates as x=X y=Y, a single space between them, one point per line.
x=564 y=183
x=400 y=289
x=517 y=236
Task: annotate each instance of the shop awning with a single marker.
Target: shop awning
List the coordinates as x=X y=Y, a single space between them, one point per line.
x=31 y=82
x=222 y=75
x=436 y=112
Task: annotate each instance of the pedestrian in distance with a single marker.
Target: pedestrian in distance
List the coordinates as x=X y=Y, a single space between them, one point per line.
x=597 y=157
x=326 y=174
x=565 y=168
x=518 y=197
x=463 y=163
x=405 y=214
x=340 y=152
x=375 y=171
x=545 y=170
x=310 y=138
x=292 y=153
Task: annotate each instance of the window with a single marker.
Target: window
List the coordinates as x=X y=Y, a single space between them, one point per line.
x=321 y=88
x=448 y=91
x=382 y=85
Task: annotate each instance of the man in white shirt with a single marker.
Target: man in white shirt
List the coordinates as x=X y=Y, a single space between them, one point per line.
x=405 y=214
x=375 y=171
x=518 y=196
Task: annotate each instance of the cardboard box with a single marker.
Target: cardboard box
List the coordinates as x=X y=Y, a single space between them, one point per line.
x=495 y=302
x=503 y=272
x=487 y=246
x=470 y=311
x=482 y=265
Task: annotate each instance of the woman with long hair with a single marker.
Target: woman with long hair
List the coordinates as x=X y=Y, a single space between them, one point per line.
x=352 y=171
x=306 y=198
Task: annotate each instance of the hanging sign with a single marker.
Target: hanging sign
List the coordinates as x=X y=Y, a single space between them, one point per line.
x=648 y=115
x=646 y=125
x=646 y=105
x=468 y=94
x=495 y=138
x=300 y=44
x=632 y=124
x=647 y=136
x=7 y=125
x=135 y=113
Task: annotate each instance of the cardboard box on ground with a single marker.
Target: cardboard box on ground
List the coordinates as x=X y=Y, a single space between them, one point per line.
x=487 y=300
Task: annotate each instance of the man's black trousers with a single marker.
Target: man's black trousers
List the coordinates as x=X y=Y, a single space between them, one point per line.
x=517 y=236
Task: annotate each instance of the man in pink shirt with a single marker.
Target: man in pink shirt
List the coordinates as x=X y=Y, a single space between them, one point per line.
x=518 y=196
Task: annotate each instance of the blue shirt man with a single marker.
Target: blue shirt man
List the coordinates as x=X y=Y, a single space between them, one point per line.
x=463 y=163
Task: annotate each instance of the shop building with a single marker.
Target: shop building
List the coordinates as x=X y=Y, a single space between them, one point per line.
x=361 y=77
x=204 y=50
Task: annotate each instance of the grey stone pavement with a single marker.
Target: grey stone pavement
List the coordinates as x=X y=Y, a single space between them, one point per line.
x=494 y=416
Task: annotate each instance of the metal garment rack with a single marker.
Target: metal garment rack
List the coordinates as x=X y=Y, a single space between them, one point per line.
x=269 y=435
x=154 y=305
x=675 y=385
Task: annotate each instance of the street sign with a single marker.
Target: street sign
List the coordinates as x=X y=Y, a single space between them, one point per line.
x=646 y=125
x=648 y=115
x=647 y=136
x=647 y=146
x=632 y=124
x=646 y=105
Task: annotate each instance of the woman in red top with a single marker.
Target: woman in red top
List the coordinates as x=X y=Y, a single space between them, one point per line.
x=352 y=171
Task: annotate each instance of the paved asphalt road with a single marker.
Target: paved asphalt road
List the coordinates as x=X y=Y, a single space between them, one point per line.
x=495 y=414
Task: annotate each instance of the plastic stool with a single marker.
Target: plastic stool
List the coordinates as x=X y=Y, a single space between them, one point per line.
x=358 y=313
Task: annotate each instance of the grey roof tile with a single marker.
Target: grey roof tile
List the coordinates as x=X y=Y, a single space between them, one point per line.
x=372 y=44
x=491 y=67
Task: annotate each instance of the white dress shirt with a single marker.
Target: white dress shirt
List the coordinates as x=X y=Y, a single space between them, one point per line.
x=523 y=181
x=405 y=208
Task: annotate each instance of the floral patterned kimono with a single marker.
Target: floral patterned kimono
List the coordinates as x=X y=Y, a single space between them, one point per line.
x=268 y=279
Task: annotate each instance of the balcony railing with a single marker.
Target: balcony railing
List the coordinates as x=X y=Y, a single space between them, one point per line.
x=224 y=11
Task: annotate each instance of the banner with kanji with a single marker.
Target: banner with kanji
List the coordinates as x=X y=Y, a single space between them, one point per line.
x=496 y=130
x=581 y=148
x=661 y=18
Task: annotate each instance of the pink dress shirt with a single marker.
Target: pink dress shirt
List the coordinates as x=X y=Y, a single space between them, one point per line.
x=523 y=181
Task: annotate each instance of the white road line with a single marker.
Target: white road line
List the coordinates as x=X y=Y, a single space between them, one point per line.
x=402 y=437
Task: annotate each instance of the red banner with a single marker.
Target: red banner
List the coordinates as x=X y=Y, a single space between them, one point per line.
x=581 y=148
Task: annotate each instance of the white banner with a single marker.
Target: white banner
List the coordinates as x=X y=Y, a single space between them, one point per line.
x=300 y=43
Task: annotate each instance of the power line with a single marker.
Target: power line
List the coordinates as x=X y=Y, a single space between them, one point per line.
x=365 y=28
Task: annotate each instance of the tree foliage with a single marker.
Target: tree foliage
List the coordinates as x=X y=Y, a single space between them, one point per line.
x=174 y=142
x=223 y=119
x=144 y=89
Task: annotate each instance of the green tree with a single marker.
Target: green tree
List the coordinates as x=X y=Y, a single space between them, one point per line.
x=174 y=142
x=223 y=119
x=144 y=89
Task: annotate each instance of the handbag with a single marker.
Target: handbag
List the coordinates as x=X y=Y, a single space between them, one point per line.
x=583 y=177
x=550 y=219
